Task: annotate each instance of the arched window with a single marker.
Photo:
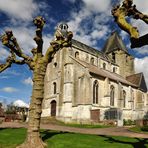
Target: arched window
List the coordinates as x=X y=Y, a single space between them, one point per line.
x=124 y=98
x=54 y=88
x=104 y=65
x=92 y=61
x=76 y=54
x=112 y=95
x=95 y=92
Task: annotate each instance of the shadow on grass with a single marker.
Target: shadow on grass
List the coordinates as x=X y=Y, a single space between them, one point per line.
x=141 y=143
x=2 y=129
x=46 y=134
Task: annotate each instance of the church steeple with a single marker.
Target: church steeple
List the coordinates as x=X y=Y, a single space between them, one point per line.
x=114 y=43
x=118 y=53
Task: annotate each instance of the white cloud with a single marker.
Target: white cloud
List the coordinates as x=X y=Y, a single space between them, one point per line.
x=124 y=34
x=20 y=9
x=141 y=5
x=20 y=103
x=28 y=81
x=9 y=89
x=3 y=54
x=141 y=65
x=47 y=39
x=142 y=51
x=21 y=13
x=25 y=36
x=98 y=5
x=90 y=23
x=95 y=5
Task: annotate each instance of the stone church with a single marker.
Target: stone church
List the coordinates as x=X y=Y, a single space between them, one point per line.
x=84 y=85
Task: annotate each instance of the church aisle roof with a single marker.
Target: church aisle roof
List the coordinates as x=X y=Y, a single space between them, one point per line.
x=138 y=79
x=113 y=76
x=113 y=43
x=104 y=73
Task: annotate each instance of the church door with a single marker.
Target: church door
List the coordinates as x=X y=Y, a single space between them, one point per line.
x=53 y=108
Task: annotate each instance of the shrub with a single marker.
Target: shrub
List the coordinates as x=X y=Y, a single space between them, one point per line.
x=144 y=128
x=129 y=122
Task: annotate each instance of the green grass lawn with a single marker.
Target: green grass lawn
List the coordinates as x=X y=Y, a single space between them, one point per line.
x=85 y=125
x=9 y=138
x=57 y=122
x=138 y=129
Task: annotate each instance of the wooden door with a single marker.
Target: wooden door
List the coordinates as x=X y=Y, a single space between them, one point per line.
x=53 y=108
x=95 y=115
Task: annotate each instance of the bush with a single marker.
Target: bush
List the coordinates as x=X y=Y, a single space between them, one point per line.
x=144 y=128
x=129 y=122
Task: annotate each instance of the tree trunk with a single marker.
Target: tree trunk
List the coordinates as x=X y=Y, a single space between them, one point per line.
x=33 y=139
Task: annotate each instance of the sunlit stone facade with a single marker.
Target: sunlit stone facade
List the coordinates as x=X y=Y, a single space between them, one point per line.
x=85 y=85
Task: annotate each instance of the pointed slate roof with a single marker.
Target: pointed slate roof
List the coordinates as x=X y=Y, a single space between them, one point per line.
x=138 y=79
x=114 y=42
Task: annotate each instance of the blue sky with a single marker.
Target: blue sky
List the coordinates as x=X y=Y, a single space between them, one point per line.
x=90 y=21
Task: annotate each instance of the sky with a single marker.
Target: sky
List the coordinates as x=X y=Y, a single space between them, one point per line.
x=89 y=20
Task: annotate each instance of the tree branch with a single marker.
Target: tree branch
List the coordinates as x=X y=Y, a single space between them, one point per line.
x=10 y=41
x=39 y=23
x=128 y=9
x=141 y=41
x=9 y=61
x=137 y=14
x=57 y=44
x=5 y=66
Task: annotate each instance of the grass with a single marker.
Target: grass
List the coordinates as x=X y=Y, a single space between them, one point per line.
x=138 y=129
x=81 y=125
x=85 y=125
x=57 y=122
x=9 y=138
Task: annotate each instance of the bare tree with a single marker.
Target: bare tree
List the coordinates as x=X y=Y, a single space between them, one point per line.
x=38 y=64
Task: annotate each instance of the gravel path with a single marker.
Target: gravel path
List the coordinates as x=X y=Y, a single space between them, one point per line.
x=113 y=131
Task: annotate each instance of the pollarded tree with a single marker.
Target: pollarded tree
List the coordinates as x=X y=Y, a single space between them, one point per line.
x=38 y=64
x=127 y=9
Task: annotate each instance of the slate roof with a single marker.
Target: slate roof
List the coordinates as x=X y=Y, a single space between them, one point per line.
x=104 y=73
x=138 y=79
x=88 y=49
x=113 y=43
x=110 y=75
